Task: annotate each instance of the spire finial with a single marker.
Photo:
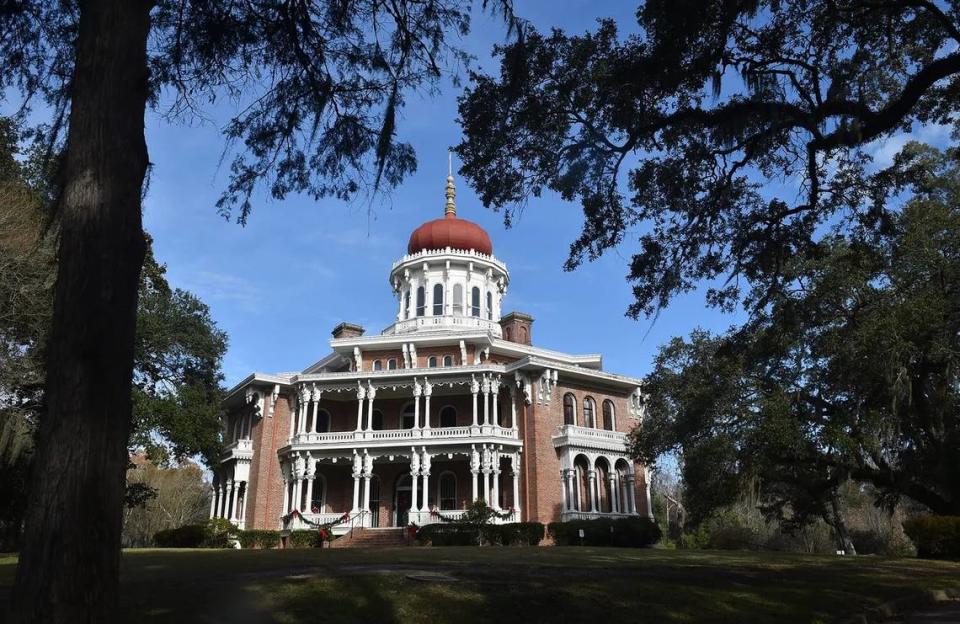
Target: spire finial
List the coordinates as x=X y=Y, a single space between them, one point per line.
x=451 y=209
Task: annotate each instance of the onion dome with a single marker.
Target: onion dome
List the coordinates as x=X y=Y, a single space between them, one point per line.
x=450 y=231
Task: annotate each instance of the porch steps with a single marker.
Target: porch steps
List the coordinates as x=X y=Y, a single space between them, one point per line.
x=372 y=538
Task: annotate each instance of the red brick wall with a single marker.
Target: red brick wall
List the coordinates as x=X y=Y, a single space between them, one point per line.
x=265 y=501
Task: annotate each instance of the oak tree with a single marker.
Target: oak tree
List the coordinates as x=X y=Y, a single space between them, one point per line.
x=318 y=86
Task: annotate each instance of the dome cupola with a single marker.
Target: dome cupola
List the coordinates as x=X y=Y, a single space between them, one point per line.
x=450 y=231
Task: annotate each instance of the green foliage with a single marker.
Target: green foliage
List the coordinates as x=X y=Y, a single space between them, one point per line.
x=457 y=534
x=852 y=375
x=936 y=537
x=188 y=536
x=624 y=532
x=305 y=539
x=688 y=130
x=219 y=533
x=259 y=538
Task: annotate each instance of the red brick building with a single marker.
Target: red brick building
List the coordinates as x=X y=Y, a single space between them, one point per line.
x=451 y=403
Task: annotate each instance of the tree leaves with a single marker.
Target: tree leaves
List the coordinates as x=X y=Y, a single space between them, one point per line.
x=725 y=139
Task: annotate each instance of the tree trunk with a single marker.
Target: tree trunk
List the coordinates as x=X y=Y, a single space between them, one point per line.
x=69 y=564
x=844 y=542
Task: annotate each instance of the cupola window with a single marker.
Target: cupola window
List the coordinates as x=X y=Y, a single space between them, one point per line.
x=421 y=302
x=438 y=300
x=475 y=302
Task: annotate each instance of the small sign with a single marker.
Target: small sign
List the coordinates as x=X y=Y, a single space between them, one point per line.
x=581 y=533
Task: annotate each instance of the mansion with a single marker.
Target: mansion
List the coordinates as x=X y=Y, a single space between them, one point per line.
x=449 y=404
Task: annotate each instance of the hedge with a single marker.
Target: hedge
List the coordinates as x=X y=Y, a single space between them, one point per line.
x=629 y=532
x=215 y=533
x=304 y=538
x=189 y=536
x=259 y=538
x=455 y=534
x=936 y=537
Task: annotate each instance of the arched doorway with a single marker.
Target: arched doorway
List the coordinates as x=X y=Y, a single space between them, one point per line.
x=402 y=499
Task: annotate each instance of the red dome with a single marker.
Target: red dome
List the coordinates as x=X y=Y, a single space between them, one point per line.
x=450 y=232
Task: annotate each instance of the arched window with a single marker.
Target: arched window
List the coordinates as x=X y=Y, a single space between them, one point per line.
x=448 y=360
x=377 y=424
x=408 y=418
x=421 y=302
x=609 y=423
x=406 y=305
x=458 y=300
x=589 y=413
x=448 y=416
x=508 y=334
x=569 y=409
x=323 y=421
x=447 y=489
x=489 y=305
x=438 y=300
x=392 y=364
x=475 y=302
x=377 y=365
x=432 y=361
x=523 y=335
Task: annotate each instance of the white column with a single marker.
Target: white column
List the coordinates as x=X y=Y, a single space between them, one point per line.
x=417 y=391
x=310 y=494
x=293 y=420
x=297 y=485
x=474 y=465
x=515 y=464
x=286 y=497
x=495 y=389
x=427 y=391
x=486 y=400
x=371 y=393
x=564 y=486
x=614 y=495
x=357 y=470
x=592 y=484
x=242 y=502
x=213 y=501
x=303 y=406
x=646 y=485
x=513 y=408
x=360 y=396
x=474 y=388
x=425 y=472
x=222 y=511
x=495 y=476
x=234 y=499
x=228 y=500
x=632 y=493
x=414 y=480
x=313 y=421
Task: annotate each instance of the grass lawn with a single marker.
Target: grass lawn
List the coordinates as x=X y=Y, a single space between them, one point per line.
x=511 y=585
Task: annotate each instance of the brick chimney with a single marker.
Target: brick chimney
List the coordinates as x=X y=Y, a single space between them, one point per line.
x=347 y=330
x=517 y=327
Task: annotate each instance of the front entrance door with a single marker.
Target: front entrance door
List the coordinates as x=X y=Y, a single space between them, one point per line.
x=402 y=501
x=375 y=501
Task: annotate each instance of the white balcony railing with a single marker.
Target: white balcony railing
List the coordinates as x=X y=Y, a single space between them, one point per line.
x=388 y=435
x=573 y=435
x=445 y=321
x=238 y=449
x=592 y=515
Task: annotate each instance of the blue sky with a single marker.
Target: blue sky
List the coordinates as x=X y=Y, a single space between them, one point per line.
x=280 y=284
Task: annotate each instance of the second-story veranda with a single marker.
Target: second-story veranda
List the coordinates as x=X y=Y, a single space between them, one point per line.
x=437 y=406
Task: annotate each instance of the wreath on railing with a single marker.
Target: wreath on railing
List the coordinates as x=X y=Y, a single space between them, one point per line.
x=322 y=527
x=477 y=513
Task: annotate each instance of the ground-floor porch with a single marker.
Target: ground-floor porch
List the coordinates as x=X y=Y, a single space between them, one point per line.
x=397 y=487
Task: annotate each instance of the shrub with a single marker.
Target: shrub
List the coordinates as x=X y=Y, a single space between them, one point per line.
x=219 y=533
x=259 y=538
x=457 y=534
x=629 y=532
x=936 y=537
x=306 y=538
x=188 y=536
